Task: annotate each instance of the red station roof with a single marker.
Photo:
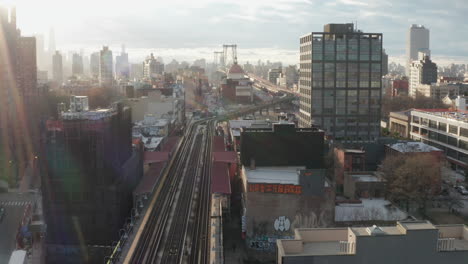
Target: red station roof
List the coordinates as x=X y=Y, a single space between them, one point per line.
x=220 y=182
x=155 y=156
x=150 y=178
x=225 y=156
x=218 y=144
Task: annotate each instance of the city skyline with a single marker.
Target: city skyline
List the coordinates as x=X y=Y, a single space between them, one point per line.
x=253 y=26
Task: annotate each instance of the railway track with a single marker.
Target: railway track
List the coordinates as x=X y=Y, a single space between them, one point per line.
x=201 y=232
x=175 y=228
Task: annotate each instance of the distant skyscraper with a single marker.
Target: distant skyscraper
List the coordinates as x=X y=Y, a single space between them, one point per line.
x=106 y=65
x=42 y=61
x=94 y=64
x=57 y=67
x=423 y=71
x=340 y=82
x=77 y=64
x=152 y=67
x=122 y=67
x=52 y=47
x=417 y=41
x=136 y=71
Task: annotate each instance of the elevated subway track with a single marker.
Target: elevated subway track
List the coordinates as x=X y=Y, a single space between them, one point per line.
x=175 y=226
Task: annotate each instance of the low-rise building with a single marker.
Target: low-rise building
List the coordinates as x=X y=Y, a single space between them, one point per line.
x=405 y=243
x=436 y=90
x=278 y=199
x=444 y=129
x=158 y=105
x=399 y=123
x=413 y=148
x=365 y=184
x=236 y=126
x=347 y=160
x=458 y=102
x=151 y=131
x=237 y=87
x=284 y=183
x=367 y=211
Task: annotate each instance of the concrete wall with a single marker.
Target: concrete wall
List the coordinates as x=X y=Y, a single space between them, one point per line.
x=393 y=126
x=418 y=246
x=327 y=234
x=271 y=216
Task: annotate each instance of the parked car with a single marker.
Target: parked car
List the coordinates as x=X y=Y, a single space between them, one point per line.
x=462 y=190
x=2 y=213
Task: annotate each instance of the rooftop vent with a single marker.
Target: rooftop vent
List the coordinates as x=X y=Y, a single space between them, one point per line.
x=375 y=231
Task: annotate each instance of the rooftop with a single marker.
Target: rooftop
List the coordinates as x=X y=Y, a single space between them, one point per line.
x=365 y=176
x=412 y=147
x=357 y=151
x=151 y=143
x=368 y=210
x=89 y=115
x=236 y=68
x=279 y=175
x=342 y=241
x=459 y=115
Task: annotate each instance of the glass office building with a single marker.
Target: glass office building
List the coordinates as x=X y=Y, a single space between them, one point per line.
x=340 y=82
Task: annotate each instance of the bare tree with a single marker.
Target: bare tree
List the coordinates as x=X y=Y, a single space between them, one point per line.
x=412 y=178
x=401 y=103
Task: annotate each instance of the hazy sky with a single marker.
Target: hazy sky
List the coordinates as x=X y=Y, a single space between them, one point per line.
x=257 y=26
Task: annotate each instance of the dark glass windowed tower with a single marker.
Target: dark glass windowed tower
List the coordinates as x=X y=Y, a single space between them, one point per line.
x=341 y=82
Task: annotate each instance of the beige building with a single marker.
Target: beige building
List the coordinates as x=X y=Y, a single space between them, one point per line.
x=400 y=123
x=436 y=90
x=156 y=105
x=405 y=243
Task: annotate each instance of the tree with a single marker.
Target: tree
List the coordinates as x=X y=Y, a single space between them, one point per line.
x=412 y=178
x=401 y=103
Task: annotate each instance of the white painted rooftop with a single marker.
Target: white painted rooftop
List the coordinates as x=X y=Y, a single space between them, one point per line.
x=278 y=175
x=409 y=147
x=369 y=209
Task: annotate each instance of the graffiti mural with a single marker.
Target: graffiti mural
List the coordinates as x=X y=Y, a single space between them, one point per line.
x=310 y=220
x=282 y=224
x=265 y=243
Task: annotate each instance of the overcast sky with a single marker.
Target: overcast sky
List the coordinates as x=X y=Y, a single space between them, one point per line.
x=259 y=27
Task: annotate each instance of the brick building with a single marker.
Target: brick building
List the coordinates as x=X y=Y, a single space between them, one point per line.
x=347 y=160
x=237 y=87
x=284 y=183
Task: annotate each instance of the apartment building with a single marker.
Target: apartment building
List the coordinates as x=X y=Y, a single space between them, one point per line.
x=404 y=243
